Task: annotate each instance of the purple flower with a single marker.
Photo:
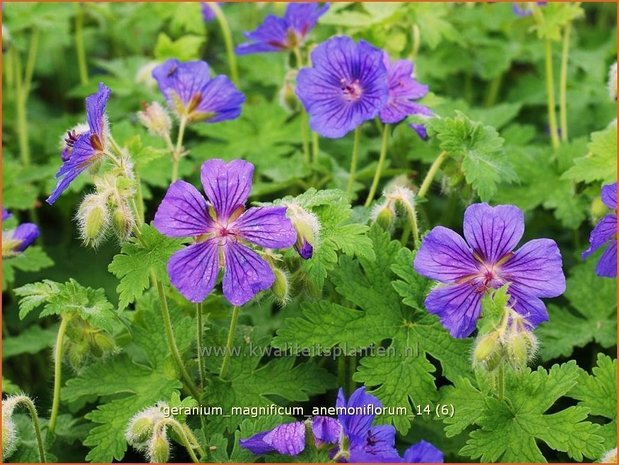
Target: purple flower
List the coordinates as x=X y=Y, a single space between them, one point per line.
x=423 y=452
x=606 y=232
x=5 y=215
x=84 y=146
x=277 y=34
x=19 y=239
x=524 y=9
x=403 y=91
x=208 y=14
x=367 y=443
x=326 y=430
x=286 y=439
x=192 y=94
x=486 y=260
x=346 y=86
x=222 y=230
x=420 y=129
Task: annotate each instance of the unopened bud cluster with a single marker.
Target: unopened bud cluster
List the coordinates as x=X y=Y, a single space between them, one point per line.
x=156 y=119
x=85 y=343
x=511 y=341
x=307 y=226
x=398 y=200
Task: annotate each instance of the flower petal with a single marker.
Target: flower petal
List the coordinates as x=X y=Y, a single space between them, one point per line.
x=220 y=101
x=227 y=185
x=256 y=445
x=423 y=452
x=182 y=80
x=246 y=274
x=193 y=270
x=183 y=212
x=326 y=430
x=302 y=17
x=609 y=196
x=356 y=425
x=378 y=446
x=269 y=36
x=26 y=233
x=604 y=231
x=445 y=256
x=536 y=268
x=493 y=231
x=607 y=266
x=267 y=227
x=95 y=110
x=458 y=306
x=287 y=439
x=527 y=305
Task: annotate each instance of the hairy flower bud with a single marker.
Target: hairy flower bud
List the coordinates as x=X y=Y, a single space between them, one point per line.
x=9 y=432
x=520 y=348
x=156 y=119
x=123 y=222
x=93 y=219
x=142 y=424
x=159 y=447
x=384 y=214
x=281 y=285
x=287 y=96
x=488 y=351
x=307 y=227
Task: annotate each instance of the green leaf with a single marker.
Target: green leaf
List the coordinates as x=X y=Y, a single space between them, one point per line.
x=594 y=314
x=509 y=430
x=403 y=374
x=30 y=341
x=138 y=260
x=19 y=190
x=184 y=48
x=600 y=163
x=479 y=150
x=31 y=259
x=69 y=298
x=556 y=17
x=136 y=379
x=598 y=393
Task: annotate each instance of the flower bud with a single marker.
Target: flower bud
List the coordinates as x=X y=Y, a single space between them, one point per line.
x=384 y=214
x=520 y=347
x=612 y=81
x=9 y=433
x=281 y=285
x=287 y=96
x=488 y=351
x=123 y=222
x=156 y=119
x=104 y=343
x=142 y=424
x=77 y=353
x=93 y=219
x=308 y=229
x=159 y=447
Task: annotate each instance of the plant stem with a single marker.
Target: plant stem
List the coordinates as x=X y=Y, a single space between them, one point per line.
x=167 y=324
x=20 y=111
x=412 y=220
x=353 y=161
x=416 y=41
x=58 y=352
x=231 y=332
x=79 y=44
x=315 y=147
x=563 y=82
x=379 y=167
x=304 y=119
x=199 y=329
x=550 y=91
x=31 y=62
x=227 y=36
x=35 y=422
x=501 y=382
x=427 y=182
x=176 y=156
x=493 y=90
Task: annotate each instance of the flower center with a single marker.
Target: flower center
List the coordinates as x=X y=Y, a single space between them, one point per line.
x=351 y=90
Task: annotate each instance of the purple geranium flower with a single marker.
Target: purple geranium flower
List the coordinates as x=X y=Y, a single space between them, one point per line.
x=487 y=260
x=277 y=34
x=222 y=229
x=19 y=239
x=403 y=91
x=606 y=232
x=346 y=86
x=524 y=9
x=423 y=452
x=193 y=95
x=84 y=145
x=208 y=14
x=286 y=439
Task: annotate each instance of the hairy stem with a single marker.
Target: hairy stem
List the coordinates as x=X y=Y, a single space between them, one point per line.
x=176 y=156
x=25 y=400
x=501 y=382
x=228 y=351
x=353 y=161
x=169 y=332
x=427 y=182
x=80 y=49
x=550 y=95
x=228 y=42
x=58 y=353
x=381 y=164
x=563 y=82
